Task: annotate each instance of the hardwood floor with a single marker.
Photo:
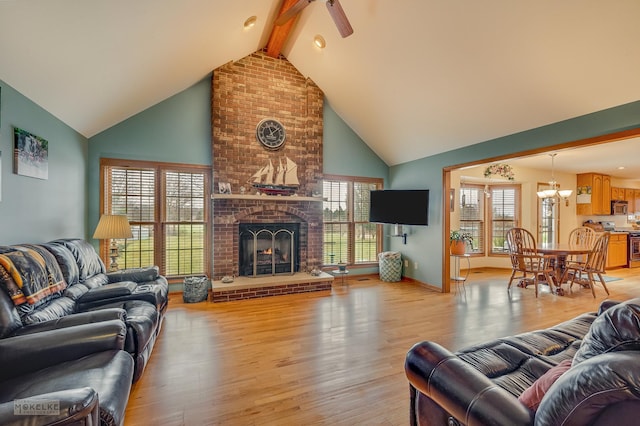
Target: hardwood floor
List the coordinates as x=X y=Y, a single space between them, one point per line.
x=334 y=359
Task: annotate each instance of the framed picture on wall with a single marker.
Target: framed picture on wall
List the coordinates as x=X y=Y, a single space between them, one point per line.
x=30 y=155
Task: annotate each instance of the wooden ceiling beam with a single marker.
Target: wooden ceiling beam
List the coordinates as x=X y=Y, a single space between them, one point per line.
x=280 y=33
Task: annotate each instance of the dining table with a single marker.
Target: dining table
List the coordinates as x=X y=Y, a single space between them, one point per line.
x=561 y=251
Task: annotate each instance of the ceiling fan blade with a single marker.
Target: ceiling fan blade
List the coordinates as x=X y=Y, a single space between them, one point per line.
x=339 y=18
x=292 y=11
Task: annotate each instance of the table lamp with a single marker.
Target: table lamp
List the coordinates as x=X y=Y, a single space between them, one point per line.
x=112 y=227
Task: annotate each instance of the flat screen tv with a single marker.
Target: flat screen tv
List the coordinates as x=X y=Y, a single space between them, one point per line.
x=403 y=206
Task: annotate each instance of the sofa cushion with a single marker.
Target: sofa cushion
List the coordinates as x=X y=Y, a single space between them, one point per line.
x=66 y=261
x=586 y=389
x=75 y=291
x=616 y=329
x=532 y=396
x=89 y=263
x=95 y=281
x=56 y=308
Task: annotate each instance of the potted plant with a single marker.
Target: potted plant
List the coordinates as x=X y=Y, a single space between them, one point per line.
x=459 y=240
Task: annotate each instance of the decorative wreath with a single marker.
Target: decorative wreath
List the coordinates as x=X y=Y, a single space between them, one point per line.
x=503 y=170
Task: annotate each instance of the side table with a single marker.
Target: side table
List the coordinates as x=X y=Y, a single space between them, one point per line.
x=340 y=273
x=457 y=277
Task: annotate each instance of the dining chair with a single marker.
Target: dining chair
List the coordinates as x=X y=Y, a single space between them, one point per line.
x=525 y=259
x=590 y=271
x=581 y=236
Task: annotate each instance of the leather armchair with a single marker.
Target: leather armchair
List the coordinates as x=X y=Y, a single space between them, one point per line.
x=71 y=365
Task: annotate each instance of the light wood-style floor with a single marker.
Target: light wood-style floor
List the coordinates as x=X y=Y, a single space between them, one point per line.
x=333 y=359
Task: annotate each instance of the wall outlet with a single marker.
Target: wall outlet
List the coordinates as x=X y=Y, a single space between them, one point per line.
x=406 y=263
x=415 y=265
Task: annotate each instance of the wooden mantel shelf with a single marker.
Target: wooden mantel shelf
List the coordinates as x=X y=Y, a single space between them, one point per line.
x=263 y=197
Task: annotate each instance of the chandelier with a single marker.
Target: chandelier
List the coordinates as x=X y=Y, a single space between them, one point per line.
x=554 y=194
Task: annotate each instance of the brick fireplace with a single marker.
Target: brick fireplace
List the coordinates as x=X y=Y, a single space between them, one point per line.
x=243 y=93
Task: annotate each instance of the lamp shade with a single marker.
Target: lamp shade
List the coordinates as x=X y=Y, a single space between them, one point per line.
x=112 y=226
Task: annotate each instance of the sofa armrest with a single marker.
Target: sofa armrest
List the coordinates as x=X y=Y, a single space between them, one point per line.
x=462 y=390
x=137 y=275
x=68 y=407
x=32 y=352
x=108 y=291
x=73 y=320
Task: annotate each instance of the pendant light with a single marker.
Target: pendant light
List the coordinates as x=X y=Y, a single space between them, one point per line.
x=555 y=194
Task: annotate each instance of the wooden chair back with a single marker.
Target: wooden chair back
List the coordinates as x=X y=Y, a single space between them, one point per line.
x=582 y=235
x=597 y=258
x=520 y=241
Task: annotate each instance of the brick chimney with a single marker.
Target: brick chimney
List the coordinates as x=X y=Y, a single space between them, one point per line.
x=243 y=93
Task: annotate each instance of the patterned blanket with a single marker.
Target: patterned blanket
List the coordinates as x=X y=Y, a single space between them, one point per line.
x=29 y=274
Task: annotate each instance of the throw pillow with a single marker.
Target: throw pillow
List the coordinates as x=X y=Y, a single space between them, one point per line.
x=532 y=396
x=616 y=329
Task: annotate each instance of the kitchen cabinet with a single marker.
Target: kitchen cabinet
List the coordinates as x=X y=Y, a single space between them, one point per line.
x=629 y=197
x=617 y=194
x=632 y=196
x=617 y=252
x=594 y=194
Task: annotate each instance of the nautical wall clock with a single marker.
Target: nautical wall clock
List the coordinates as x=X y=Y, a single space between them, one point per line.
x=270 y=132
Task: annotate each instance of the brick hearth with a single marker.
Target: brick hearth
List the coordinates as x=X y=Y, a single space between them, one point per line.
x=252 y=288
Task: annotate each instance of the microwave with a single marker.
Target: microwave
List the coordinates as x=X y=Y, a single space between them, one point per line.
x=619 y=207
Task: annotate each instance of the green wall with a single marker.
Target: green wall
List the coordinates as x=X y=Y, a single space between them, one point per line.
x=344 y=153
x=36 y=210
x=424 y=244
x=177 y=130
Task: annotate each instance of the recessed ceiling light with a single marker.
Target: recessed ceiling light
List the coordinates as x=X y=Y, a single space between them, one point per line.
x=250 y=22
x=318 y=40
x=620 y=167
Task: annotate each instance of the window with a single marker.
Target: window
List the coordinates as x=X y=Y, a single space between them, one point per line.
x=503 y=216
x=472 y=215
x=348 y=235
x=168 y=211
x=496 y=205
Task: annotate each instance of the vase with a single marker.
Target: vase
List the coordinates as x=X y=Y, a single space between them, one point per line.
x=458 y=247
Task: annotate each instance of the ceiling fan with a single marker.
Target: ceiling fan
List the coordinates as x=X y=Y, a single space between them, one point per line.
x=335 y=10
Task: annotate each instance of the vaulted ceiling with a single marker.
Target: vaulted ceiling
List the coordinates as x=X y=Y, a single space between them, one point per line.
x=416 y=78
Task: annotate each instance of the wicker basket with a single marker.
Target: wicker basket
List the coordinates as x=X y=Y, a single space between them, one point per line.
x=196 y=289
x=390 y=263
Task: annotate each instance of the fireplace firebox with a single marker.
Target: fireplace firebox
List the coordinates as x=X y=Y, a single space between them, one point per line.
x=268 y=249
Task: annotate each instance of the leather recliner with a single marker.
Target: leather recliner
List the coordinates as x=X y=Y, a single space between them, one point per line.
x=83 y=368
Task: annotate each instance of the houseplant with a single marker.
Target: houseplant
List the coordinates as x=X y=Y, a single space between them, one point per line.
x=459 y=240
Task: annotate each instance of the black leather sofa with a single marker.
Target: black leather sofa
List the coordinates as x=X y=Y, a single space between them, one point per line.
x=485 y=384
x=69 y=329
